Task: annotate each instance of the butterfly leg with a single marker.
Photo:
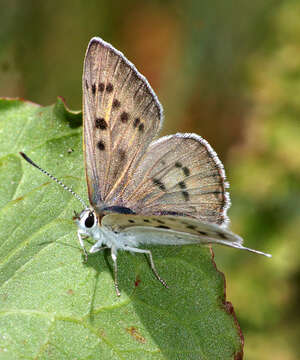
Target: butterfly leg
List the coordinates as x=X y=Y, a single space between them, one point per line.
x=95 y=248
x=148 y=252
x=114 y=257
x=82 y=245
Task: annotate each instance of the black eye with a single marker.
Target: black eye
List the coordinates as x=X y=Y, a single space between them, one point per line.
x=89 y=221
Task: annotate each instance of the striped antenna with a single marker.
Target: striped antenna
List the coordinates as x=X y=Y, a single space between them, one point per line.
x=55 y=179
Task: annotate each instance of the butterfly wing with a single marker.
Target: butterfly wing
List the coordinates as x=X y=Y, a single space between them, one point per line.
x=179 y=174
x=121 y=117
x=170 y=230
x=191 y=230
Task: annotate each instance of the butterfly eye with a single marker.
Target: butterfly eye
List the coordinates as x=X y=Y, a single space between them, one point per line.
x=90 y=220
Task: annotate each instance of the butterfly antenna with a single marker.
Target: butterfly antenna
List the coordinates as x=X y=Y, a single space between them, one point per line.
x=54 y=178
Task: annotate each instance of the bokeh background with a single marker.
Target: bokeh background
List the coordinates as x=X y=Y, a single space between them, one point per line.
x=227 y=70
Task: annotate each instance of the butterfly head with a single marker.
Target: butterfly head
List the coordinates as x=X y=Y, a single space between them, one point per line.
x=86 y=221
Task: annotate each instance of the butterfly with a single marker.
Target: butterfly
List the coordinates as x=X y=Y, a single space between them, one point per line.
x=169 y=191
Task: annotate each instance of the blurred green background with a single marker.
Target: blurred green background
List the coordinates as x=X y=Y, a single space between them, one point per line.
x=227 y=70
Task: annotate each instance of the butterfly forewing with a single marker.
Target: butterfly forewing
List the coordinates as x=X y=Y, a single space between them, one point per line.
x=179 y=174
x=121 y=117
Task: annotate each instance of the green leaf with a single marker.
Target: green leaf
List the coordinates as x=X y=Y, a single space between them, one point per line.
x=55 y=306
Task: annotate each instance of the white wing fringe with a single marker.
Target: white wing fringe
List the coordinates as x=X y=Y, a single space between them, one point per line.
x=238 y=245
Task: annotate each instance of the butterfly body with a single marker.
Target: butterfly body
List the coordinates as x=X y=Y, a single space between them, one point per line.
x=127 y=232
x=143 y=191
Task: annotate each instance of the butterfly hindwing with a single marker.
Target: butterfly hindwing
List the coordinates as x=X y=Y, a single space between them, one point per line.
x=179 y=174
x=121 y=117
x=168 y=230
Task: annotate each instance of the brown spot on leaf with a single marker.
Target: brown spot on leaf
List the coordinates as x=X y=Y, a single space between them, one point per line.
x=135 y=334
x=137 y=281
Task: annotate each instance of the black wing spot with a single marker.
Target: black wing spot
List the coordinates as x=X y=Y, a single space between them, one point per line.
x=122 y=154
x=94 y=88
x=116 y=104
x=202 y=232
x=162 y=227
x=178 y=164
x=101 y=87
x=124 y=117
x=222 y=236
x=186 y=195
x=131 y=221
x=101 y=124
x=136 y=122
x=86 y=84
x=101 y=145
x=186 y=171
x=182 y=185
x=192 y=227
x=146 y=220
x=109 y=87
x=160 y=184
x=141 y=127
